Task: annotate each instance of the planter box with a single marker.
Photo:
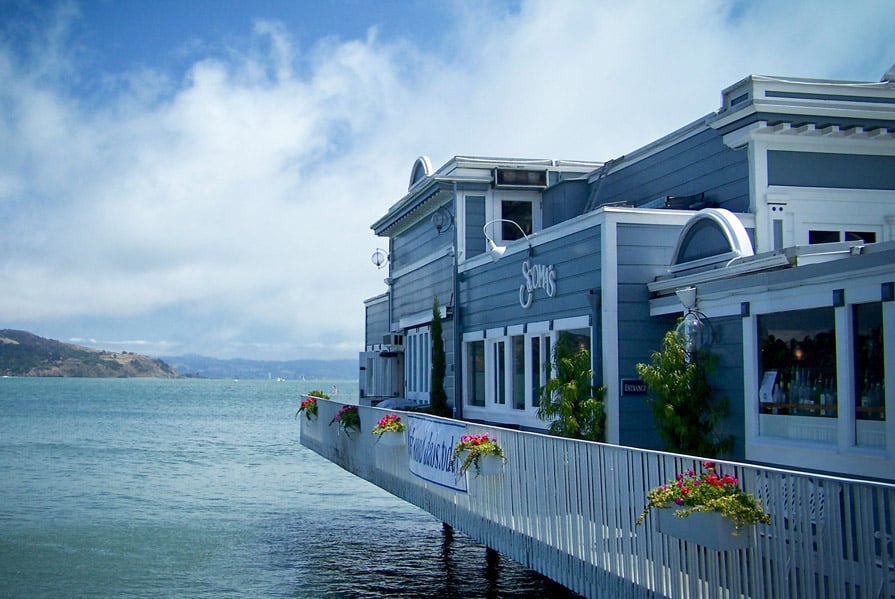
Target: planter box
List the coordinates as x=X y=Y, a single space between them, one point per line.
x=709 y=529
x=391 y=439
x=488 y=465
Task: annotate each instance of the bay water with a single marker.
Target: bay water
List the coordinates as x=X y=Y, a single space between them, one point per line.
x=200 y=488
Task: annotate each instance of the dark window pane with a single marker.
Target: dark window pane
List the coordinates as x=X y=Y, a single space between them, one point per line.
x=518 y=212
x=823 y=237
x=800 y=347
x=870 y=388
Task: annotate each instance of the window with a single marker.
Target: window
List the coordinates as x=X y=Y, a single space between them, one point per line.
x=475 y=369
x=822 y=236
x=518 y=355
x=870 y=390
x=519 y=212
x=539 y=350
x=798 y=362
x=417 y=365
x=500 y=372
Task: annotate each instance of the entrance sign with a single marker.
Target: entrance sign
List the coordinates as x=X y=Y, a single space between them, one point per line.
x=430 y=447
x=537 y=276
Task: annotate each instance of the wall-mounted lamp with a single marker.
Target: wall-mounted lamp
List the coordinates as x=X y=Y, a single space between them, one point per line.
x=695 y=330
x=379 y=257
x=497 y=251
x=687 y=296
x=442 y=219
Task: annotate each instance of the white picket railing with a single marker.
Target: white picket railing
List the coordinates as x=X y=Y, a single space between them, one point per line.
x=567 y=509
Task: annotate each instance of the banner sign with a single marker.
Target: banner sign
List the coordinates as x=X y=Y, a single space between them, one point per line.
x=430 y=445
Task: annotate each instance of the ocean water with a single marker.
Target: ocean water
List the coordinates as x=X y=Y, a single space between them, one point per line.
x=198 y=488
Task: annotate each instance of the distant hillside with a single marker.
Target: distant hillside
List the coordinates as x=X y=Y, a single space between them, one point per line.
x=214 y=368
x=26 y=354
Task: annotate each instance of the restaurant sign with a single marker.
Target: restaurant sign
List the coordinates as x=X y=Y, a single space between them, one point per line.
x=536 y=276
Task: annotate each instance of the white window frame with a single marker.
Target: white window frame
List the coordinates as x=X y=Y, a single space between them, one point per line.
x=418 y=363
x=500 y=340
x=494 y=210
x=843 y=453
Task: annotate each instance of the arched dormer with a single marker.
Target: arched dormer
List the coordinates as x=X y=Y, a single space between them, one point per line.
x=422 y=168
x=712 y=237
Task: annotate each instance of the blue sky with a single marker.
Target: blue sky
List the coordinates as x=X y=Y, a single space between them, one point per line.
x=200 y=176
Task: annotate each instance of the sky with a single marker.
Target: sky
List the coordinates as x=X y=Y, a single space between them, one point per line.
x=200 y=177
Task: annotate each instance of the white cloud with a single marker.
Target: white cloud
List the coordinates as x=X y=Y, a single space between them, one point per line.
x=228 y=213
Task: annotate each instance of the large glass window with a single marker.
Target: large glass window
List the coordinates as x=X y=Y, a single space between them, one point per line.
x=475 y=379
x=539 y=350
x=798 y=363
x=870 y=388
x=500 y=372
x=518 y=348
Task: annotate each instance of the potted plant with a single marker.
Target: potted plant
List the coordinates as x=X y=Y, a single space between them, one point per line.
x=479 y=451
x=687 y=415
x=309 y=404
x=348 y=419
x=309 y=407
x=725 y=507
x=570 y=400
x=389 y=430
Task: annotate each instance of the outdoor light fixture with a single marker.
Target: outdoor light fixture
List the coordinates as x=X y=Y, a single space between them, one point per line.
x=687 y=295
x=694 y=330
x=442 y=219
x=379 y=257
x=497 y=251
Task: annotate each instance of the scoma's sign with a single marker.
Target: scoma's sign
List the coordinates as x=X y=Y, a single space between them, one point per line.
x=537 y=276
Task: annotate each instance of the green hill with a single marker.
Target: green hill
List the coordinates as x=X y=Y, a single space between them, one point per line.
x=25 y=354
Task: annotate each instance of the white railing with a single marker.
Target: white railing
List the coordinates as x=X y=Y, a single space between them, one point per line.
x=568 y=508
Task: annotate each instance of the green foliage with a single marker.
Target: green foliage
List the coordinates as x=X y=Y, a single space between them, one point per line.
x=438 y=397
x=348 y=419
x=470 y=449
x=570 y=399
x=707 y=492
x=317 y=393
x=681 y=399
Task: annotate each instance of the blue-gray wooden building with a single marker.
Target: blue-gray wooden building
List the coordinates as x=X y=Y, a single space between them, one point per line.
x=775 y=218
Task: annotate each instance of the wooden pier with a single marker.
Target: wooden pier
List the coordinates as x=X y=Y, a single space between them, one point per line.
x=567 y=509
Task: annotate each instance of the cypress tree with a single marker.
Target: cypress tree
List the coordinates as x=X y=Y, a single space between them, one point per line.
x=438 y=397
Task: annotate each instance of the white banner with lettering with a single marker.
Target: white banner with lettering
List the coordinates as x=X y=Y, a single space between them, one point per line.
x=430 y=446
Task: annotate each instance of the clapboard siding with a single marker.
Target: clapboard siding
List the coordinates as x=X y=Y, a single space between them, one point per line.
x=417 y=242
x=415 y=291
x=377 y=323
x=701 y=163
x=490 y=293
x=643 y=254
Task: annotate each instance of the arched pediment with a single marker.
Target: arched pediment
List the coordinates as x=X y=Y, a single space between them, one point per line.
x=713 y=236
x=422 y=168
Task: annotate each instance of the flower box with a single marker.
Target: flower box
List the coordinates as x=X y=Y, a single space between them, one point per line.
x=709 y=529
x=479 y=453
x=490 y=464
x=389 y=431
x=391 y=439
